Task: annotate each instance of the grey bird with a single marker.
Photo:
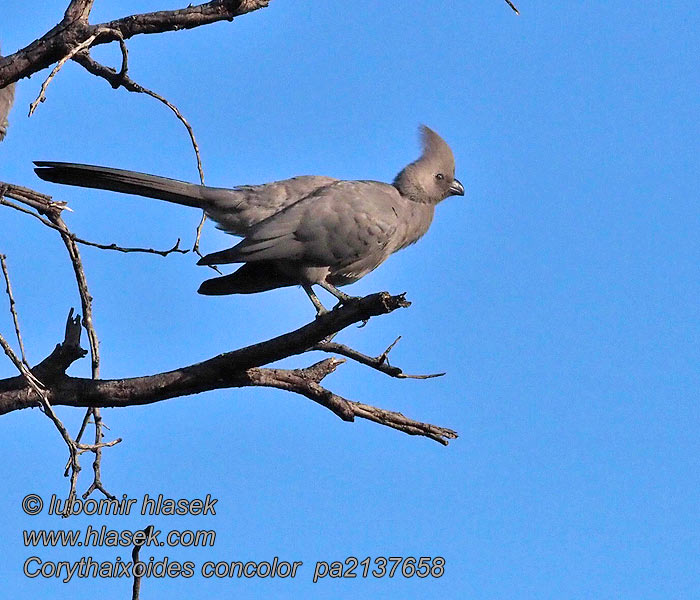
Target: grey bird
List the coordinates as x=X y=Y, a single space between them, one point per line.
x=307 y=230
x=7 y=97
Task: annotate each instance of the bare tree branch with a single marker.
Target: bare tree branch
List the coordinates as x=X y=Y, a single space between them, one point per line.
x=87 y=322
x=73 y=51
x=13 y=310
x=136 y=588
x=74 y=30
x=509 y=3
x=78 y=10
x=121 y=79
x=45 y=205
x=225 y=370
x=37 y=393
x=380 y=363
x=239 y=368
x=63 y=355
x=53 y=212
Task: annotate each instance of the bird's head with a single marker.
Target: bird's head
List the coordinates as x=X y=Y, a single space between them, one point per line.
x=431 y=178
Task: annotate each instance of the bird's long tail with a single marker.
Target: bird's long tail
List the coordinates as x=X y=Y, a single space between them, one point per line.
x=120 y=180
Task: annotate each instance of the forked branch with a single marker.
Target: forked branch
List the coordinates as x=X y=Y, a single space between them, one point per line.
x=239 y=368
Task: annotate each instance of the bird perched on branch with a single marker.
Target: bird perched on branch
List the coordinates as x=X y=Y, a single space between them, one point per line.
x=307 y=230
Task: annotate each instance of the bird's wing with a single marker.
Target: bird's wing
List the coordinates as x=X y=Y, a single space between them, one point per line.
x=237 y=210
x=335 y=226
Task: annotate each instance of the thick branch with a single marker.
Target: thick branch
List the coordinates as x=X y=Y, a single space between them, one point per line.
x=185 y=18
x=56 y=363
x=78 y=10
x=64 y=354
x=74 y=30
x=223 y=371
x=240 y=368
x=306 y=382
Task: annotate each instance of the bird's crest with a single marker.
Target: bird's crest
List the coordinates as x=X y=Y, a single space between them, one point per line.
x=436 y=150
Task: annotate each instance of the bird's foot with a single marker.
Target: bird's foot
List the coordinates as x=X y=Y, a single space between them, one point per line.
x=320 y=309
x=345 y=300
x=342 y=297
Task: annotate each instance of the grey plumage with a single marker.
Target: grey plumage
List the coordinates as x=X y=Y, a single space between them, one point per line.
x=302 y=231
x=7 y=97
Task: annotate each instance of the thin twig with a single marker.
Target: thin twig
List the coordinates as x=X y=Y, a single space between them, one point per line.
x=136 y=589
x=85 y=44
x=509 y=3
x=125 y=57
x=122 y=80
x=88 y=323
x=379 y=363
x=85 y=298
x=307 y=383
x=125 y=249
x=46 y=50
x=97 y=463
x=97 y=446
x=195 y=247
x=43 y=205
x=13 y=309
x=47 y=409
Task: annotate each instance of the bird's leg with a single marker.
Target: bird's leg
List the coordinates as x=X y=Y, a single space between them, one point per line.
x=343 y=298
x=320 y=309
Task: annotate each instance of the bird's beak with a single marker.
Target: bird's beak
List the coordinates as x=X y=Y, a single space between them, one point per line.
x=456 y=189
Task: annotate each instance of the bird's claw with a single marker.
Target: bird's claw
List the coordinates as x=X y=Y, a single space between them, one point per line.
x=346 y=300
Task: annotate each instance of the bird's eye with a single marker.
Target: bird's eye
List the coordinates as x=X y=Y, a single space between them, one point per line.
x=439 y=177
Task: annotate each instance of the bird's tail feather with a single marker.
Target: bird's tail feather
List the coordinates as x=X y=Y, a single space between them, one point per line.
x=248 y=279
x=119 y=180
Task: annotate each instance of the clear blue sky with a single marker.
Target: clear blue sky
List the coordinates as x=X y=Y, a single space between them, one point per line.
x=560 y=295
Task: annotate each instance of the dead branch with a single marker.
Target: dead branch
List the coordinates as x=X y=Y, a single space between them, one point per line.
x=38 y=394
x=74 y=30
x=380 y=363
x=120 y=79
x=136 y=588
x=509 y=3
x=79 y=10
x=87 y=322
x=73 y=51
x=13 y=309
x=239 y=368
x=44 y=205
x=73 y=37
